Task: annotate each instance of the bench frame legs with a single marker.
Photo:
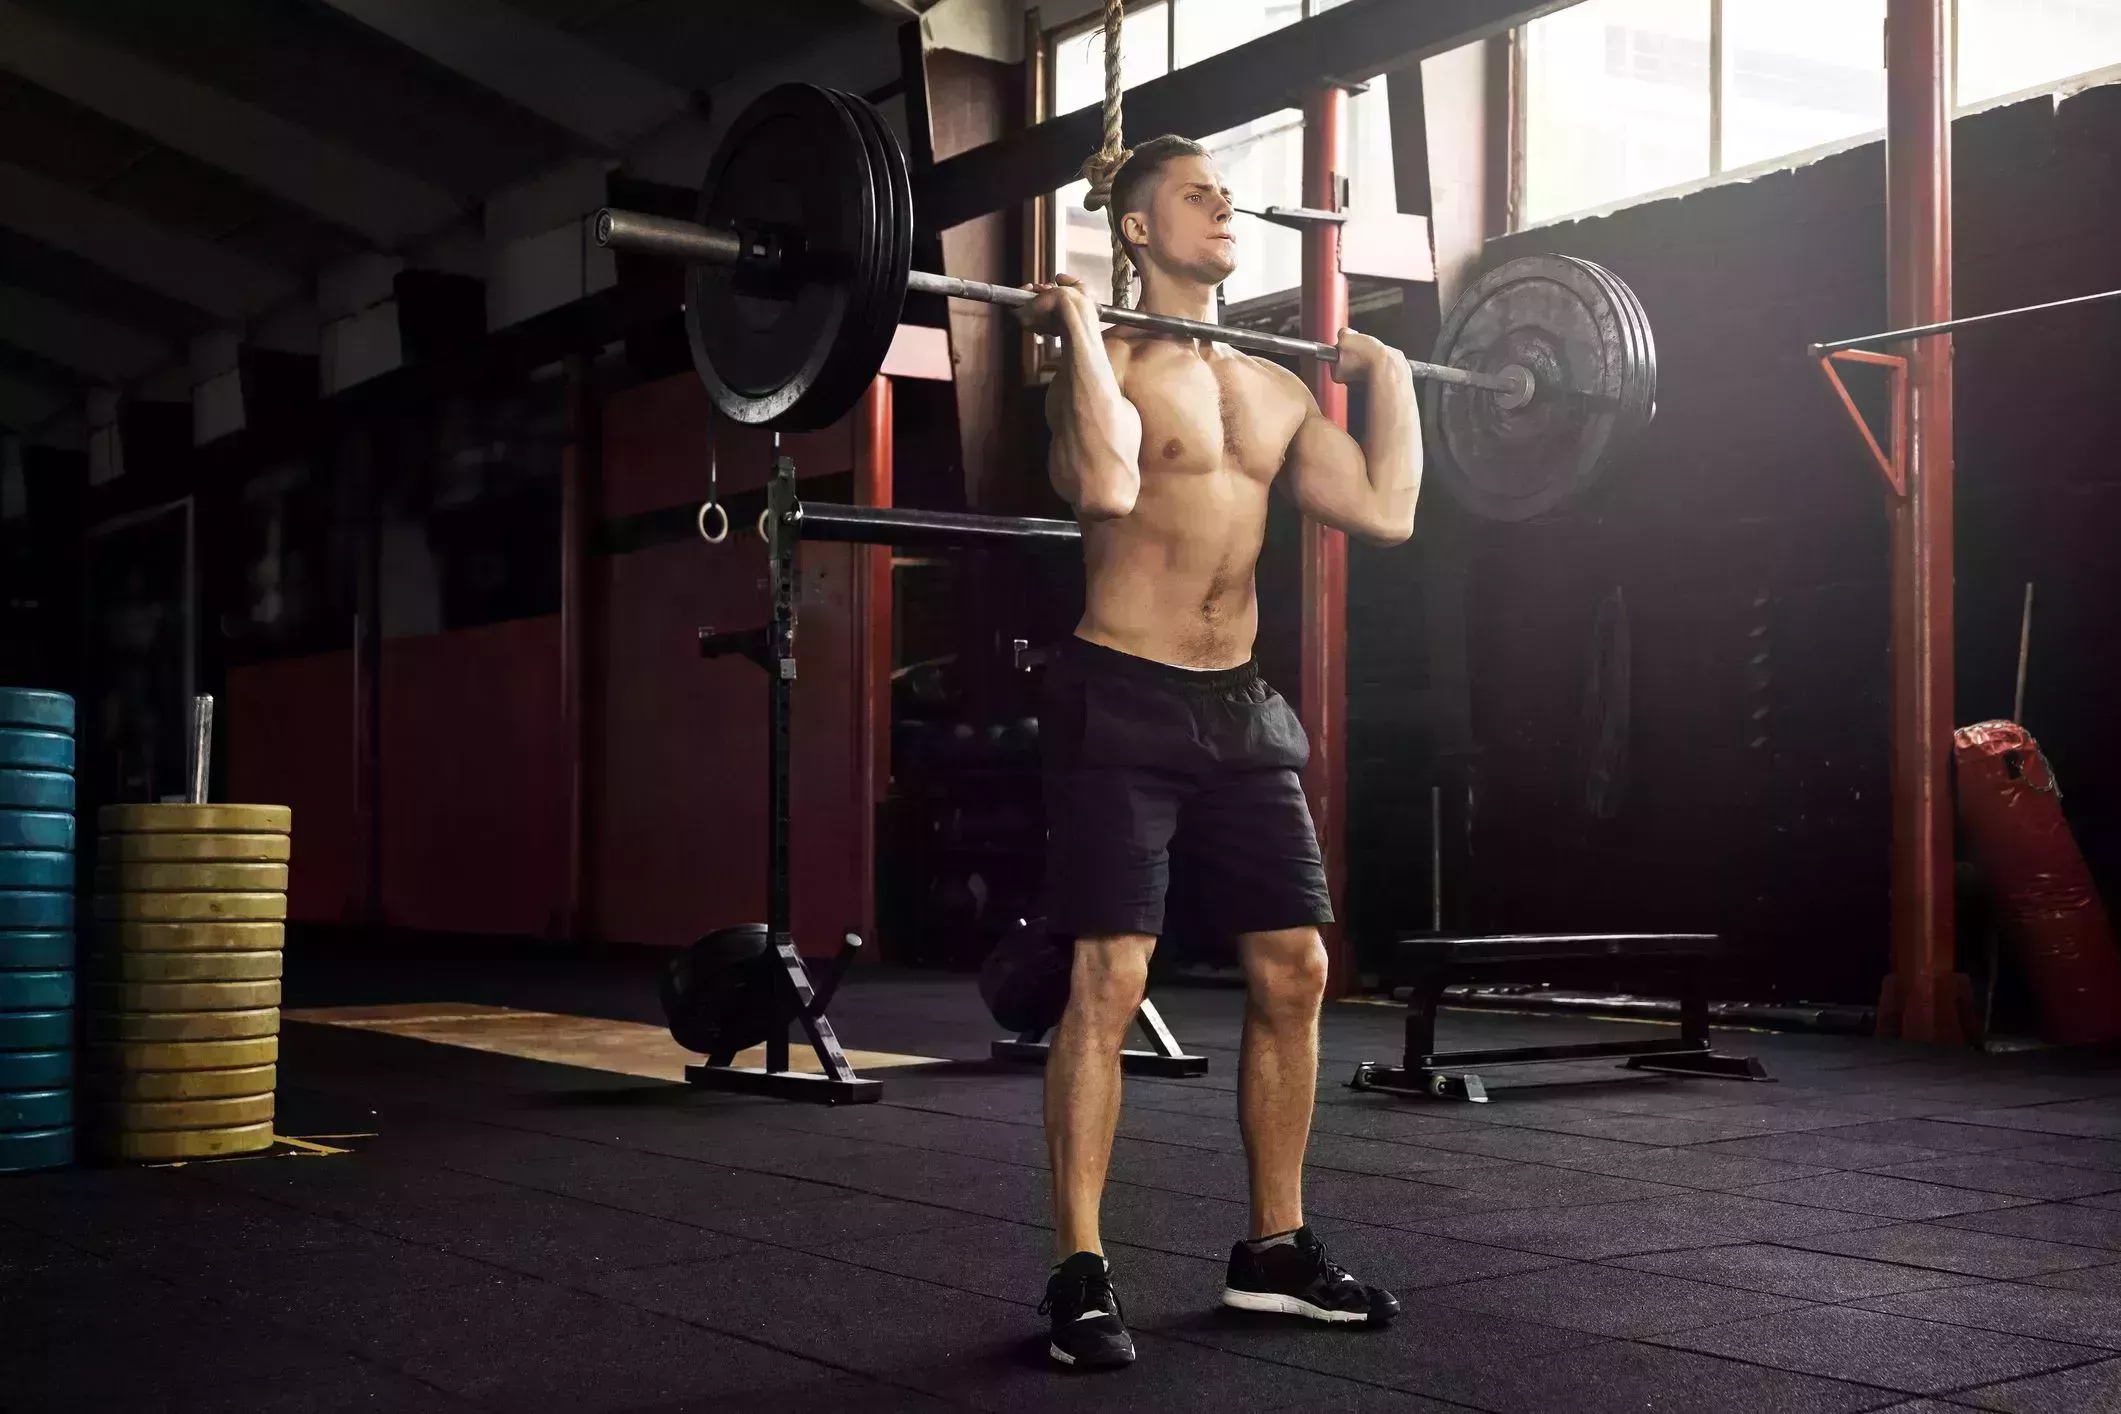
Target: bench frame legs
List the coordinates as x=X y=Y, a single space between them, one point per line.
x=1424 y=1070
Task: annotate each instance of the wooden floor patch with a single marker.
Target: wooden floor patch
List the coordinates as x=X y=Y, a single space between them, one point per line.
x=588 y=1042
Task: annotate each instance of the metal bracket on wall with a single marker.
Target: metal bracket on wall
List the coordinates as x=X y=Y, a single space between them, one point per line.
x=1892 y=465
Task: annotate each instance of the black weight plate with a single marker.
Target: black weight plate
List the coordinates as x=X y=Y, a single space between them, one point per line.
x=792 y=161
x=716 y=994
x=849 y=369
x=23 y=748
x=1641 y=397
x=34 y=707
x=36 y=790
x=36 y=829
x=1549 y=315
x=895 y=224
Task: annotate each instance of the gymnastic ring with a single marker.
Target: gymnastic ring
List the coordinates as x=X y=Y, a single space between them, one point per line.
x=719 y=536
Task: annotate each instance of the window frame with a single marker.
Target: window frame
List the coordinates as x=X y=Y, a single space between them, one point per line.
x=1520 y=98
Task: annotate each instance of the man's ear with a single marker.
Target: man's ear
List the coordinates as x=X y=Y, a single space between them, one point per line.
x=1134 y=228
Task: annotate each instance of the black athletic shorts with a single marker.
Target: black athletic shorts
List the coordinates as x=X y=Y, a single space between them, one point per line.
x=1147 y=765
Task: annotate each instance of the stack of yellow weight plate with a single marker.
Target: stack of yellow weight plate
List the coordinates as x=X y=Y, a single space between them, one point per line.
x=183 y=980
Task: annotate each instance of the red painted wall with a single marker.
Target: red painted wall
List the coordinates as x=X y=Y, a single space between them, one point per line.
x=288 y=728
x=471 y=799
x=678 y=773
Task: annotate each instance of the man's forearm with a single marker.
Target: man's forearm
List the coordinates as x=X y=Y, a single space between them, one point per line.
x=1101 y=429
x=1391 y=447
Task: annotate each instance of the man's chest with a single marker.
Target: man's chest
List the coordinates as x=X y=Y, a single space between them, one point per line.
x=1206 y=416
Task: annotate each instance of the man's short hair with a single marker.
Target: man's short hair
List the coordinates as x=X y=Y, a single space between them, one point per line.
x=1132 y=183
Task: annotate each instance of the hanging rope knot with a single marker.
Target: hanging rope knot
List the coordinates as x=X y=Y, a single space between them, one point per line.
x=1098 y=170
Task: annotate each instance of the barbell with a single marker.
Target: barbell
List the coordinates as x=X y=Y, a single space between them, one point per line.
x=800 y=259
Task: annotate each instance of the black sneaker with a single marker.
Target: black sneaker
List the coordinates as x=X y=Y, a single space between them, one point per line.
x=1298 y=1279
x=1089 y=1329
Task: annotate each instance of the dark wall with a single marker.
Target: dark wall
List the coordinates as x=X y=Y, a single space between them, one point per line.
x=1728 y=771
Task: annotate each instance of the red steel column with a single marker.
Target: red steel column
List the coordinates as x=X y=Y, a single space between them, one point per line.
x=872 y=639
x=1322 y=694
x=1921 y=1000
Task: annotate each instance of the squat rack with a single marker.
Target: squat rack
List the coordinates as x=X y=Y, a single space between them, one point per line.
x=784 y=524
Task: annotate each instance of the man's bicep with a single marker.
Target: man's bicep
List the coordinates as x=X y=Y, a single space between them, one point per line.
x=1325 y=470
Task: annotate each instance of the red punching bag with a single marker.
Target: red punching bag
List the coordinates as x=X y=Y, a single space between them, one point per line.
x=2011 y=812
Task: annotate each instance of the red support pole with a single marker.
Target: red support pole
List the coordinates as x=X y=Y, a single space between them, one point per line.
x=1322 y=694
x=872 y=639
x=1924 y=998
x=579 y=496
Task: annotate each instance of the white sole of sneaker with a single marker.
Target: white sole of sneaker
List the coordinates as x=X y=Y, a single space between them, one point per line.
x=1286 y=1306
x=1061 y=1355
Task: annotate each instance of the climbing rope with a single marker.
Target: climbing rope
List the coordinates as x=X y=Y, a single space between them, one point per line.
x=1104 y=164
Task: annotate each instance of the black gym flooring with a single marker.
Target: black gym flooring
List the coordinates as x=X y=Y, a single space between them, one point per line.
x=1888 y=1226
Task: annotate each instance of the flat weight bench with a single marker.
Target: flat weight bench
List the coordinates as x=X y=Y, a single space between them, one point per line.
x=1675 y=962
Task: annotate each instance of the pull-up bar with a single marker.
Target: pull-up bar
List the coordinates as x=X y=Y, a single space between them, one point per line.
x=1894 y=336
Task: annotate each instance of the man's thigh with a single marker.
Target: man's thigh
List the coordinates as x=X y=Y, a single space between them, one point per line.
x=1250 y=855
x=1108 y=849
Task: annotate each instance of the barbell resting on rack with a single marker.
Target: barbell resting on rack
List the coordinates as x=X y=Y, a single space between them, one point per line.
x=799 y=261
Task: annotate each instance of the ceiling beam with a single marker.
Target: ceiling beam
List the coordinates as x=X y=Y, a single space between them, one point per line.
x=385 y=207
x=1357 y=40
x=85 y=285
x=94 y=347
x=564 y=80
x=181 y=267
x=25 y=404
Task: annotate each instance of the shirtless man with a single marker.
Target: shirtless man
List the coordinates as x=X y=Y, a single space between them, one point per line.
x=1160 y=738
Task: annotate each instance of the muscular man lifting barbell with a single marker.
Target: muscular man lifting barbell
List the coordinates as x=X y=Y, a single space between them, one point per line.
x=1160 y=737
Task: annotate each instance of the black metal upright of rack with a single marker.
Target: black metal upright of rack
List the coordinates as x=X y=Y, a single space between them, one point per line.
x=785 y=523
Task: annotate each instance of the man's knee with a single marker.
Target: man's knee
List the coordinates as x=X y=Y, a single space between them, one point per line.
x=1110 y=977
x=1286 y=971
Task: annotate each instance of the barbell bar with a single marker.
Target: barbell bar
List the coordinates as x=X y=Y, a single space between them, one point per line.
x=642 y=234
x=798 y=260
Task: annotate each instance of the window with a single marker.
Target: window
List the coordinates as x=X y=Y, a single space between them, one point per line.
x=1262 y=160
x=1621 y=98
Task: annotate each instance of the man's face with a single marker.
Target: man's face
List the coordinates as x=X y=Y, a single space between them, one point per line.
x=1187 y=225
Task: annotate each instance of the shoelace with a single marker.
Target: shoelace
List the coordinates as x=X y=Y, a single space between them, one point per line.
x=1080 y=1294
x=1331 y=1272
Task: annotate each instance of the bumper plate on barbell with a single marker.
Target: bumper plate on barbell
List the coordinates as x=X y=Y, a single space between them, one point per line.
x=1595 y=374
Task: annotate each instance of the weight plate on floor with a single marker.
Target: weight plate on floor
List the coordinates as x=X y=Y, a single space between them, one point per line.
x=137 y=1116
x=764 y=342
x=173 y=847
x=36 y=1030
x=183 y=996
x=35 y=1109
x=49 y=869
x=37 y=1070
x=180 y=1055
x=26 y=1153
x=36 y=991
x=50 y=951
x=161 y=967
x=1550 y=316
x=191 y=908
x=183 y=1025
x=34 y=707
x=36 y=829
x=22 y=911
x=36 y=790
x=179 y=1084
x=171 y=1145
x=26 y=750
x=134 y=936
x=190 y=878
x=197 y=819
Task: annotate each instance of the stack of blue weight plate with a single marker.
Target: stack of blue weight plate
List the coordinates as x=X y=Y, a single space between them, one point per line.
x=36 y=929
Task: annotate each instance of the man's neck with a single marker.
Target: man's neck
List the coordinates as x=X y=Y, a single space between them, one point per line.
x=1182 y=299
